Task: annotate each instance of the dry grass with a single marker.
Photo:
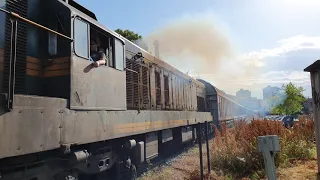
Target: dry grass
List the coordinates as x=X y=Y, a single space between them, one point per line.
x=305 y=170
x=234 y=154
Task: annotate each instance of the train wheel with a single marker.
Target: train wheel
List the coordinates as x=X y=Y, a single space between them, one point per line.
x=130 y=173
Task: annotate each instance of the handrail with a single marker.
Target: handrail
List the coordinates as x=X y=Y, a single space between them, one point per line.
x=34 y=23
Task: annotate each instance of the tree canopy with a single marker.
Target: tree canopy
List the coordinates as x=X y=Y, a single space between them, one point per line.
x=130 y=35
x=290 y=101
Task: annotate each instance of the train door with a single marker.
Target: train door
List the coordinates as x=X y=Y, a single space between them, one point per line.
x=97 y=88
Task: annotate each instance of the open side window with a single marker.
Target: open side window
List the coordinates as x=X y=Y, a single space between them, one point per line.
x=90 y=39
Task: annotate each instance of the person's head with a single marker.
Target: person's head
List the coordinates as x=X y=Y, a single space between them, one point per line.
x=100 y=49
x=93 y=45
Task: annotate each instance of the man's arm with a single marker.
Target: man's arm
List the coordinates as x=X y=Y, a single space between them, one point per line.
x=101 y=61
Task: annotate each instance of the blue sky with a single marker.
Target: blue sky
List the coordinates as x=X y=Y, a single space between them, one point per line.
x=276 y=39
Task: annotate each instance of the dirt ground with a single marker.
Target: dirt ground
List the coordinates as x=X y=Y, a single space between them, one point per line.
x=181 y=167
x=306 y=170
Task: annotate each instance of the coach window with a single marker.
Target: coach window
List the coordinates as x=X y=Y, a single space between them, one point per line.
x=81 y=34
x=119 y=55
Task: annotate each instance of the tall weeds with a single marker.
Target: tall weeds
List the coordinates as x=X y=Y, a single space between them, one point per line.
x=234 y=151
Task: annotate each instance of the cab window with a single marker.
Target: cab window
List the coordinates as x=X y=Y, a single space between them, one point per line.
x=90 y=39
x=119 y=54
x=81 y=34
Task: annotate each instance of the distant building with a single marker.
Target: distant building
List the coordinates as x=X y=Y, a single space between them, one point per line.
x=243 y=94
x=251 y=103
x=270 y=91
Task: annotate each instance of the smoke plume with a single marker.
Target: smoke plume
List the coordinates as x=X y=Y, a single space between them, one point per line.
x=192 y=42
x=197 y=44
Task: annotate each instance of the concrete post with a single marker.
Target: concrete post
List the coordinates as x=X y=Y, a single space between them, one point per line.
x=269 y=145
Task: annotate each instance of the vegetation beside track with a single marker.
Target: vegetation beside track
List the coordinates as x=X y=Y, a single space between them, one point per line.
x=234 y=153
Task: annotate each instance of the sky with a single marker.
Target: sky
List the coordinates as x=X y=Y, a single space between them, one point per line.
x=271 y=41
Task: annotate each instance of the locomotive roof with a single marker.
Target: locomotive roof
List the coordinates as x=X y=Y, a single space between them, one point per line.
x=90 y=17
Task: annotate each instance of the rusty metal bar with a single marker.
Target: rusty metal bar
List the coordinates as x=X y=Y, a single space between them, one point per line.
x=12 y=64
x=34 y=23
x=200 y=149
x=207 y=144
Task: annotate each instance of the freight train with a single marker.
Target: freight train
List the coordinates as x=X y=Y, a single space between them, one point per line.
x=63 y=118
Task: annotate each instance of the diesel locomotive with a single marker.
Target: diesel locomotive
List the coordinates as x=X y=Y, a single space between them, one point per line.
x=62 y=118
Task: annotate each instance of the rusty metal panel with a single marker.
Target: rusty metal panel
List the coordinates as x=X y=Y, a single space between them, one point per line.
x=129 y=84
x=200 y=91
x=158 y=88
x=188 y=96
x=145 y=84
x=194 y=96
x=152 y=145
x=180 y=94
x=162 y=89
x=174 y=92
x=25 y=131
x=185 y=98
x=185 y=85
x=27 y=101
x=170 y=92
x=184 y=95
x=137 y=85
x=166 y=90
x=102 y=88
x=152 y=86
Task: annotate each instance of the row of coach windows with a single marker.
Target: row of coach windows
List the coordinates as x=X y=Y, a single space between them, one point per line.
x=89 y=40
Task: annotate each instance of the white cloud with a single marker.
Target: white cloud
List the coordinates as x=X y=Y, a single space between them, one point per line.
x=300 y=42
x=249 y=74
x=256 y=83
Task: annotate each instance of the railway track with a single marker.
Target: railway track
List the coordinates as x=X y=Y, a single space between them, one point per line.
x=166 y=160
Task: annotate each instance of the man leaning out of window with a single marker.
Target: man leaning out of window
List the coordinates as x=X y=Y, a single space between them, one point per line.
x=98 y=57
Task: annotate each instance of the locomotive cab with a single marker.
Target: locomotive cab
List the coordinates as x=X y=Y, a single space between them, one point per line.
x=101 y=88
x=50 y=65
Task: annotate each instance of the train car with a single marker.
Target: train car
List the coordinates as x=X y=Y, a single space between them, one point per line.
x=223 y=108
x=62 y=118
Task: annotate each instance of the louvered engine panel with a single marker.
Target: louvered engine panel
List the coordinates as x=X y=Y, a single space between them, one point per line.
x=137 y=83
x=136 y=88
x=158 y=88
x=129 y=84
x=20 y=7
x=145 y=86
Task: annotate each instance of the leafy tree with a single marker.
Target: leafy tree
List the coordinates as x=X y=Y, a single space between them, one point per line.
x=130 y=35
x=293 y=102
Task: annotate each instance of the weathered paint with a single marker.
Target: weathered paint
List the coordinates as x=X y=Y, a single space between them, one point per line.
x=54 y=67
x=102 y=88
x=56 y=125
x=315 y=86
